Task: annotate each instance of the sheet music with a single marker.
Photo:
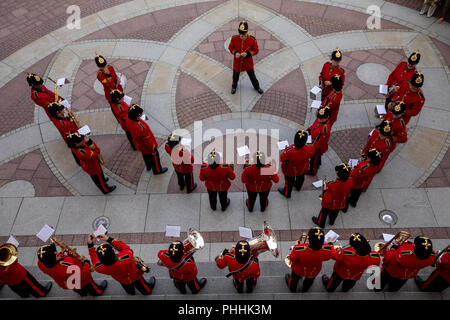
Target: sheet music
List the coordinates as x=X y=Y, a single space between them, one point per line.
x=173 y=231
x=244 y=150
x=381 y=109
x=282 y=144
x=318 y=183
x=13 y=241
x=100 y=230
x=316 y=104
x=127 y=100
x=383 y=89
x=245 y=232
x=66 y=104
x=331 y=234
x=45 y=233
x=84 y=130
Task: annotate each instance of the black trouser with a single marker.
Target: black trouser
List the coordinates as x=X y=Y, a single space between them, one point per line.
x=251 y=283
x=222 y=198
x=386 y=103
x=90 y=288
x=76 y=159
x=290 y=182
x=324 y=213
x=141 y=284
x=152 y=162
x=193 y=285
x=314 y=164
x=394 y=283
x=130 y=139
x=435 y=282
x=336 y=280
x=29 y=286
x=185 y=179
x=251 y=75
x=262 y=199
x=295 y=278
x=354 y=196
x=99 y=180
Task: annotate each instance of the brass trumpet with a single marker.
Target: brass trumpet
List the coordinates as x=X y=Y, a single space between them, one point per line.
x=324 y=188
x=303 y=239
x=437 y=262
x=8 y=254
x=381 y=247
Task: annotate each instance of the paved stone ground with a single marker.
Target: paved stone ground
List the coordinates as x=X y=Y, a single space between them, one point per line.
x=173 y=55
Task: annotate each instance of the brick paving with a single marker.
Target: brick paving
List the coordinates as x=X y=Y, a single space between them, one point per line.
x=32 y=167
x=195 y=101
x=84 y=96
x=17 y=108
x=349 y=143
x=417 y=5
x=444 y=49
x=160 y=25
x=286 y=98
x=213 y=46
x=441 y=175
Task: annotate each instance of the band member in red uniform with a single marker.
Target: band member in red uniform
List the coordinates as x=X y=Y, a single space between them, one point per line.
x=182 y=161
x=121 y=265
x=144 y=140
x=61 y=268
x=394 y=116
x=404 y=262
x=107 y=77
x=351 y=263
x=40 y=94
x=295 y=163
x=242 y=265
x=411 y=95
x=306 y=260
x=16 y=277
x=120 y=110
x=320 y=135
x=258 y=179
x=403 y=72
x=329 y=69
x=217 y=177
x=87 y=152
x=243 y=47
x=362 y=175
x=380 y=139
x=333 y=100
x=336 y=193
x=439 y=280
x=182 y=268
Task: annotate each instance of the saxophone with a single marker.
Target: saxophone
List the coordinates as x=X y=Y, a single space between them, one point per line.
x=70 y=251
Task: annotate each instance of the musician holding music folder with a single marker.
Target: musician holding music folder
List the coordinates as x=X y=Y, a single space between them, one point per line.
x=439 y=279
x=320 y=135
x=40 y=94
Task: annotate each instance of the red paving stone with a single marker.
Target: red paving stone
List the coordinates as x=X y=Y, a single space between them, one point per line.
x=286 y=98
x=195 y=101
x=160 y=25
x=349 y=143
x=33 y=168
x=17 y=108
x=213 y=46
x=84 y=96
x=441 y=175
x=444 y=49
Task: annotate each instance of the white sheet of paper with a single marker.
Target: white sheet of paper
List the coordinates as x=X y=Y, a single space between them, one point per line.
x=66 y=104
x=244 y=150
x=353 y=162
x=127 y=100
x=317 y=183
x=383 y=89
x=61 y=81
x=331 y=234
x=123 y=80
x=381 y=109
x=371 y=132
x=100 y=230
x=84 y=130
x=45 y=233
x=144 y=117
x=387 y=236
x=309 y=139
x=245 y=232
x=13 y=241
x=186 y=142
x=315 y=90
x=173 y=231
x=316 y=104
x=282 y=144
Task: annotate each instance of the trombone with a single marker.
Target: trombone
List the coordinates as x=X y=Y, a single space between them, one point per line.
x=381 y=247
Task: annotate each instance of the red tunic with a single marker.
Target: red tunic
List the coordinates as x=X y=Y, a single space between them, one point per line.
x=229 y=260
x=333 y=100
x=414 y=101
x=256 y=181
x=89 y=158
x=60 y=273
x=43 y=98
x=124 y=269
x=307 y=262
x=402 y=263
x=64 y=126
x=249 y=45
x=187 y=272
x=217 y=179
x=143 y=137
x=384 y=145
x=350 y=266
x=400 y=74
x=336 y=194
x=109 y=81
x=444 y=267
x=120 y=111
x=295 y=161
x=399 y=132
x=13 y=274
x=320 y=134
x=328 y=71
x=363 y=174
x=182 y=163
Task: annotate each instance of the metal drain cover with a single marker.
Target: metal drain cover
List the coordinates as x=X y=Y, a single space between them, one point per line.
x=101 y=221
x=389 y=217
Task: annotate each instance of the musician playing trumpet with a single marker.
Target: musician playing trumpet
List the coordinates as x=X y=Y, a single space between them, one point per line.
x=306 y=259
x=439 y=280
x=182 y=268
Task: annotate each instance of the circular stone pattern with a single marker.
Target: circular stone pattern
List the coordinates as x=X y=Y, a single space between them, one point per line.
x=372 y=73
x=226 y=44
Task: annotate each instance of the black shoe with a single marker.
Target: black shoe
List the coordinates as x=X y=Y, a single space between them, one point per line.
x=181 y=288
x=226 y=206
x=202 y=283
x=282 y=191
x=112 y=188
x=48 y=287
x=419 y=281
x=151 y=281
x=246 y=203
x=195 y=186
x=353 y=204
x=325 y=280
x=267 y=204
x=181 y=188
x=233 y=90
x=314 y=219
x=236 y=287
x=106 y=179
x=260 y=91
x=102 y=286
x=161 y=172
x=298 y=189
x=287 y=276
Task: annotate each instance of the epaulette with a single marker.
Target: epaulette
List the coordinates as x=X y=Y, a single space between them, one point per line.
x=229 y=255
x=407 y=252
x=252 y=36
x=300 y=248
x=247 y=165
x=341 y=68
x=325 y=129
x=35 y=94
x=99 y=72
x=82 y=151
x=326 y=247
x=125 y=257
x=402 y=122
x=388 y=143
x=224 y=165
x=65 y=263
x=420 y=93
x=374 y=255
x=120 y=107
x=166 y=254
x=140 y=124
x=365 y=166
x=98 y=264
x=62 y=121
x=204 y=166
x=290 y=148
x=348 y=253
x=334 y=96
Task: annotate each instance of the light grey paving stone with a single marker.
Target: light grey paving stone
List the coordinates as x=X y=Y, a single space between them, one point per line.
x=406 y=14
x=19 y=142
x=49 y=132
x=303 y=206
x=217 y=249
x=274 y=129
x=173 y=56
x=158 y=107
x=436 y=88
x=34 y=213
x=398 y=173
x=372 y=73
x=9 y=207
x=184 y=211
x=27 y=256
x=17 y=188
x=361 y=3
x=440 y=29
x=230 y=220
x=157 y=127
x=411 y=206
x=42 y=116
x=276 y=214
x=306 y=51
x=352 y=115
x=286 y=31
x=439 y=199
x=248 y=93
x=434 y=119
x=345 y=42
x=83 y=183
x=127 y=213
x=138 y=49
x=370 y=109
x=149 y=253
x=365 y=215
x=190 y=36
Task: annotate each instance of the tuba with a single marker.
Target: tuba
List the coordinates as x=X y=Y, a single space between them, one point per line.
x=398 y=239
x=437 y=262
x=8 y=254
x=303 y=239
x=193 y=242
x=266 y=241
